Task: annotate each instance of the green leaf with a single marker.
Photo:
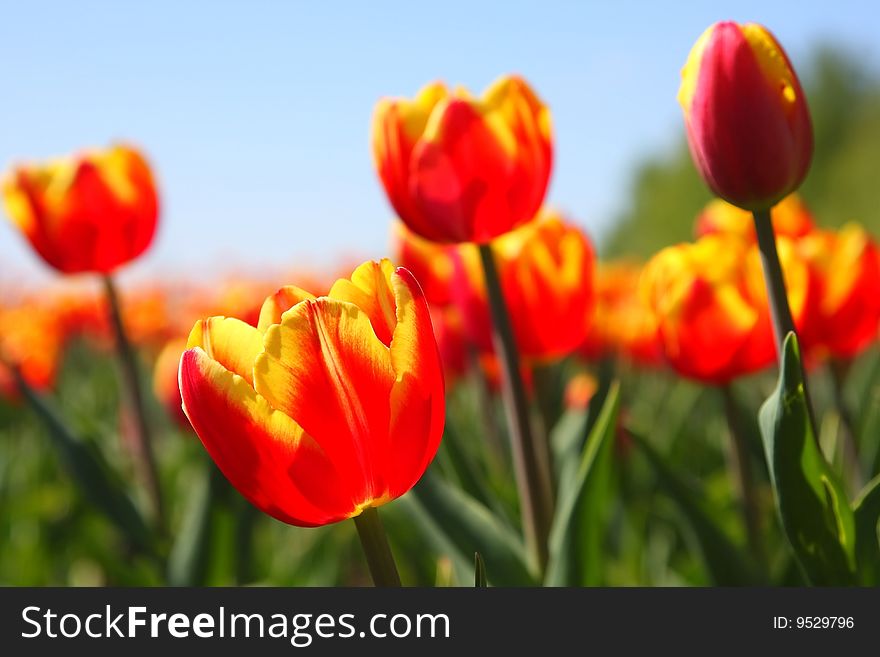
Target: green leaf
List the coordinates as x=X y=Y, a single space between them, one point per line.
x=470 y=526
x=576 y=538
x=810 y=499
x=480 y=580
x=93 y=475
x=866 y=510
x=724 y=560
x=188 y=559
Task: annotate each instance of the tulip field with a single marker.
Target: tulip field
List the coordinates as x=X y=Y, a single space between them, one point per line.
x=496 y=401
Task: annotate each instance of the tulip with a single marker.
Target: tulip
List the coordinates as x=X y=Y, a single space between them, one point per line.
x=546 y=274
x=88 y=213
x=747 y=120
x=460 y=169
x=843 y=306
x=432 y=264
x=712 y=311
x=622 y=324
x=790 y=218
x=32 y=341
x=165 y=384
x=333 y=407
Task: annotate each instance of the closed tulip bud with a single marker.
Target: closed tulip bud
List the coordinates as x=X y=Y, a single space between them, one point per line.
x=88 y=213
x=336 y=407
x=460 y=169
x=746 y=115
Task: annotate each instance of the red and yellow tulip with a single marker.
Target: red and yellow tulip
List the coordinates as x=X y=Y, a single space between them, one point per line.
x=711 y=306
x=332 y=405
x=460 y=169
x=843 y=305
x=32 y=340
x=746 y=115
x=790 y=217
x=432 y=264
x=622 y=322
x=165 y=385
x=91 y=212
x=546 y=274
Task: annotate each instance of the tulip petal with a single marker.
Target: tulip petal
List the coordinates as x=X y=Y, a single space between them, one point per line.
x=231 y=342
x=262 y=452
x=369 y=289
x=277 y=304
x=417 y=398
x=324 y=367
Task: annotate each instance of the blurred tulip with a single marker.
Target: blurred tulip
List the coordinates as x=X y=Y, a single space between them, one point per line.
x=337 y=408
x=451 y=342
x=579 y=390
x=32 y=340
x=432 y=264
x=165 y=384
x=88 y=213
x=712 y=310
x=546 y=273
x=459 y=169
x=790 y=217
x=843 y=307
x=622 y=322
x=747 y=119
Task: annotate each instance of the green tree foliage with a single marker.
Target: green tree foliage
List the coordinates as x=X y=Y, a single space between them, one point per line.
x=844 y=98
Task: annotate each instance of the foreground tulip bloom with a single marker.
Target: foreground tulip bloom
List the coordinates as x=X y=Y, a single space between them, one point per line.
x=334 y=405
x=459 y=169
x=746 y=115
x=711 y=308
x=88 y=213
x=546 y=274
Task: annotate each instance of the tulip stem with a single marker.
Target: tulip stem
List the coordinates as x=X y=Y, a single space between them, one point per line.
x=780 y=312
x=376 y=548
x=132 y=383
x=531 y=463
x=743 y=466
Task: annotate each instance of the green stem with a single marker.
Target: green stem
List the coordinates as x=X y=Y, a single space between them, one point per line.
x=531 y=466
x=132 y=384
x=376 y=548
x=780 y=312
x=743 y=476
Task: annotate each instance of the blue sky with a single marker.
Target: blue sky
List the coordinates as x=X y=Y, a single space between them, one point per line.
x=256 y=115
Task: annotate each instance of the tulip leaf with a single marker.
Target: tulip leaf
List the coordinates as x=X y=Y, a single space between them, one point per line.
x=470 y=526
x=724 y=561
x=810 y=498
x=480 y=580
x=188 y=559
x=421 y=524
x=576 y=538
x=866 y=510
x=92 y=474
